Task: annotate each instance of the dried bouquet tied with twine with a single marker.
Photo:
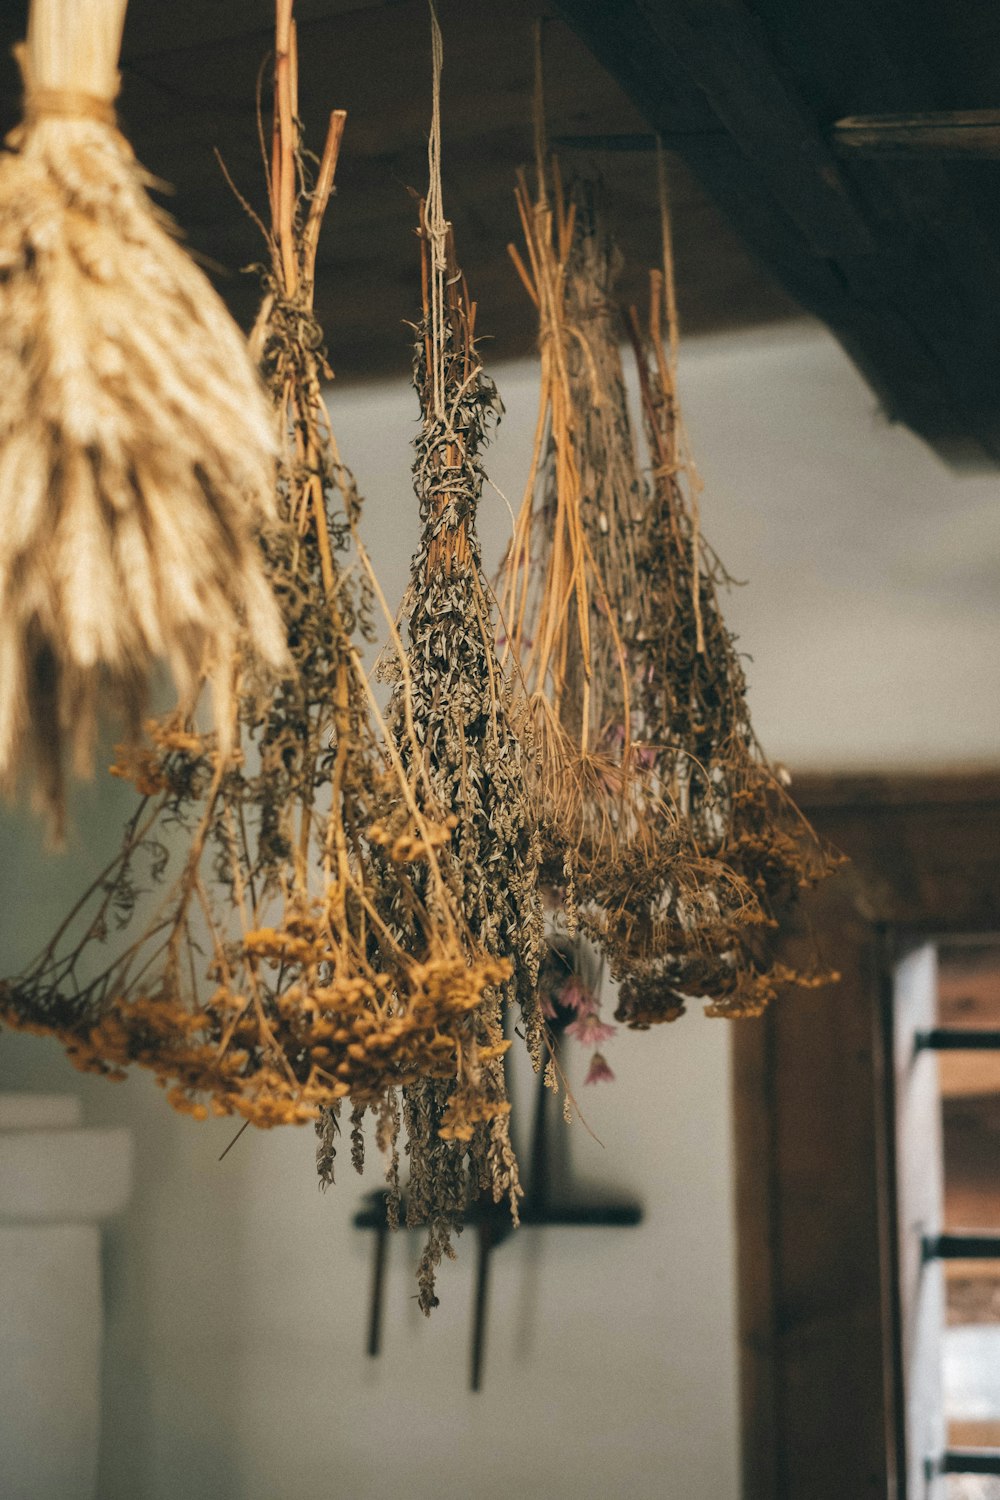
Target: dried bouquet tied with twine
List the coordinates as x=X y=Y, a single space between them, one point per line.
x=270 y=981
x=450 y=712
x=136 y=445
x=692 y=715
x=614 y=845
x=686 y=842
x=550 y=576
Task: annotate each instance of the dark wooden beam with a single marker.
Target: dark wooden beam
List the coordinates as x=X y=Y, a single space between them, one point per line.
x=943 y=134
x=725 y=53
x=890 y=252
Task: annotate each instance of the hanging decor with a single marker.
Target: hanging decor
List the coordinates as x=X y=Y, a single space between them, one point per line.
x=318 y=901
x=670 y=842
x=621 y=869
x=271 y=980
x=136 y=447
x=450 y=712
x=691 y=711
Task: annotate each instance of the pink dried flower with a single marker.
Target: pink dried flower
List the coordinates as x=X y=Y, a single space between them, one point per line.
x=645 y=756
x=590 y=1030
x=575 y=995
x=599 y=1072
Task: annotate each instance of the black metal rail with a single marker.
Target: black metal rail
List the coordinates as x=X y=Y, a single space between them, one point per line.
x=958 y=1039
x=962 y=1245
x=969 y=1461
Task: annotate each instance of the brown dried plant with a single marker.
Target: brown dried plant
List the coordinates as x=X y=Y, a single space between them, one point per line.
x=272 y=981
x=691 y=713
x=683 y=843
x=451 y=716
x=549 y=577
x=136 y=446
x=619 y=860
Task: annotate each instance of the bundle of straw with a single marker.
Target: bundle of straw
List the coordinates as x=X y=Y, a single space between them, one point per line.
x=136 y=446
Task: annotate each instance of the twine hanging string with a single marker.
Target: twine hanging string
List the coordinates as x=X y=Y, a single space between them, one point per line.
x=682 y=457
x=67 y=104
x=41 y=103
x=538 y=115
x=669 y=278
x=435 y=223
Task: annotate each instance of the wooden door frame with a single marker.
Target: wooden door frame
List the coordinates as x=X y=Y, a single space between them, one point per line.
x=821 y=1399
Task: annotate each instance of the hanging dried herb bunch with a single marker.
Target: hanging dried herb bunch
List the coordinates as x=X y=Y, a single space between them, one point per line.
x=457 y=702
x=691 y=715
x=671 y=886
x=269 y=982
x=136 y=447
x=619 y=858
x=452 y=712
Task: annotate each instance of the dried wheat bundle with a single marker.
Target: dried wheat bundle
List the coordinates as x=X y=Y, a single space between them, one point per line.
x=269 y=980
x=136 y=446
x=691 y=714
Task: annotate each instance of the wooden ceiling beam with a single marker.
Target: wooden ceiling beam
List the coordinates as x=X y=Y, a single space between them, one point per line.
x=945 y=135
x=941 y=135
x=724 y=51
x=888 y=251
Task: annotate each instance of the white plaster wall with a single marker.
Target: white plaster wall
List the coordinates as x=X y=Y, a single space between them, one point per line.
x=237 y=1293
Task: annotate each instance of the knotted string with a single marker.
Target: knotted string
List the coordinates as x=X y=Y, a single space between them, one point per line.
x=62 y=103
x=684 y=461
x=435 y=223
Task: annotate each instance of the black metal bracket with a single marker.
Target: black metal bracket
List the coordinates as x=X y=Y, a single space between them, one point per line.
x=963 y=1461
x=547 y=1205
x=957 y=1039
x=961 y=1244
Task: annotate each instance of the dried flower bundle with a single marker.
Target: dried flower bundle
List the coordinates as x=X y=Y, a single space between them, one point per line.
x=550 y=578
x=692 y=716
x=136 y=447
x=686 y=842
x=452 y=711
x=305 y=847
x=616 y=849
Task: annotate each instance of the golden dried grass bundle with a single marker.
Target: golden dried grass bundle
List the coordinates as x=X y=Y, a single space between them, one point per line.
x=619 y=860
x=551 y=586
x=269 y=980
x=692 y=716
x=136 y=445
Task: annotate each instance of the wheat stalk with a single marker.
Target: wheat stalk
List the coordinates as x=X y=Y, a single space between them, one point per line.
x=136 y=445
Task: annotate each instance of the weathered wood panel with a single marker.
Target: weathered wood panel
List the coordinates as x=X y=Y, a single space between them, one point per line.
x=820 y=1302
